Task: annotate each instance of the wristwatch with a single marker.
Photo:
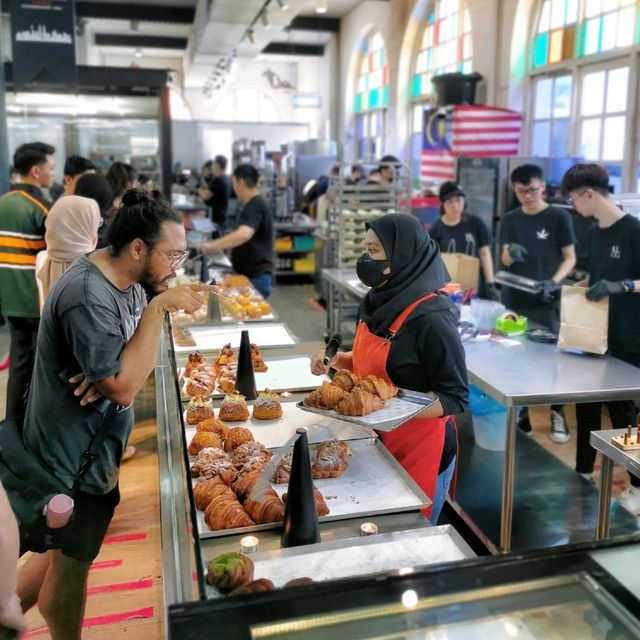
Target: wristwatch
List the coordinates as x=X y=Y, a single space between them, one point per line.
x=629 y=286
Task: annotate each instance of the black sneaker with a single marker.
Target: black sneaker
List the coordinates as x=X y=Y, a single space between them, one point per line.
x=524 y=424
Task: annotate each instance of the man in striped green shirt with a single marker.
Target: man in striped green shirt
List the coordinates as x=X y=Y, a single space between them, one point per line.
x=22 y=216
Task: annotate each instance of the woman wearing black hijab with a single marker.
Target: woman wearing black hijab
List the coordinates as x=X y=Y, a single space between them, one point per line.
x=407 y=333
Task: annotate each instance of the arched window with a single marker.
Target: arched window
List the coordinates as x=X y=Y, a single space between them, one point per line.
x=582 y=104
x=372 y=96
x=246 y=104
x=445 y=45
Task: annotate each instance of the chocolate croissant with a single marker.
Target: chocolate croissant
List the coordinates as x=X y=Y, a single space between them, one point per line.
x=206 y=490
x=345 y=379
x=359 y=403
x=325 y=397
x=321 y=506
x=267 y=507
x=226 y=512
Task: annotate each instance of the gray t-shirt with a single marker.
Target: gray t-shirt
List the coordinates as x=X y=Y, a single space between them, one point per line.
x=86 y=323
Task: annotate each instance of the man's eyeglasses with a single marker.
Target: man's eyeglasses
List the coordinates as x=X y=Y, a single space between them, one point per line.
x=572 y=200
x=529 y=191
x=175 y=259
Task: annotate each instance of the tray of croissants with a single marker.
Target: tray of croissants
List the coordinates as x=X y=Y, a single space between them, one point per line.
x=240 y=485
x=217 y=376
x=370 y=401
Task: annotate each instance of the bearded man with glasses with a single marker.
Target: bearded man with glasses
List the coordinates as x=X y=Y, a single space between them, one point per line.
x=538 y=242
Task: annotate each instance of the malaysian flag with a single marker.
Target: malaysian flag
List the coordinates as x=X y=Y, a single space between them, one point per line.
x=436 y=161
x=480 y=131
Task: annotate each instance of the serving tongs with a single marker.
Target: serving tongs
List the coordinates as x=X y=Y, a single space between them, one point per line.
x=528 y=285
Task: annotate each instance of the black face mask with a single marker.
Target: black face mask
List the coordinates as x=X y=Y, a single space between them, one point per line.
x=370 y=271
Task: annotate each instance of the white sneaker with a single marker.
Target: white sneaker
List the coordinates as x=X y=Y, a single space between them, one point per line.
x=630 y=500
x=559 y=430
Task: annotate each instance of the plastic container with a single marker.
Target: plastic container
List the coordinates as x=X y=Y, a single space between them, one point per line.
x=302 y=243
x=486 y=312
x=489 y=420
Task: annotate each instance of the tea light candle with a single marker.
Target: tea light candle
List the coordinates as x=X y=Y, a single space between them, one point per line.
x=249 y=544
x=368 y=529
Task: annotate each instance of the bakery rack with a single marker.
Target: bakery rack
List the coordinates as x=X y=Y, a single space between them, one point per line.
x=351 y=206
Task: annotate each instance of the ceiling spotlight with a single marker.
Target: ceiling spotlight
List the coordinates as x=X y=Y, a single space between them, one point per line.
x=265 y=19
x=250 y=36
x=321 y=6
x=138 y=53
x=283 y=4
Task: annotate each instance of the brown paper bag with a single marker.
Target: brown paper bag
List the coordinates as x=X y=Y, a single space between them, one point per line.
x=583 y=324
x=463 y=269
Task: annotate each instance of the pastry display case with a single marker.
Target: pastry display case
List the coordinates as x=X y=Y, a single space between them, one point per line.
x=409 y=580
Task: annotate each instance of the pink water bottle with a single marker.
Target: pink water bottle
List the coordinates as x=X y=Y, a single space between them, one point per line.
x=58 y=511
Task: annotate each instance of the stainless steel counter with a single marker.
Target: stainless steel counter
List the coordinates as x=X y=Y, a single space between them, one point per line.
x=630 y=460
x=526 y=374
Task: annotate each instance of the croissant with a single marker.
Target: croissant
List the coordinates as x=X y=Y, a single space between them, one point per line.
x=206 y=490
x=230 y=571
x=325 y=397
x=237 y=436
x=202 y=440
x=227 y=384
x=245 y=483
x=283 y=470
x=211 y=462
x=247 y=465
x=329 y=465
x=251 y=449
x=336 y=446
x=226 y=512
x=345 y=379
x=359 y=403
x=321 y=506
x=266 y=508
x=379 y=387
x=201 y=384
x=257 y=586
x=259 y=365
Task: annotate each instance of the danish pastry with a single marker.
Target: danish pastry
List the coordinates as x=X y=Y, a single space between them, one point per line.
x=237 y=436
x=199 y=409
x=267 y=406
x=234 y=408
x=203 y=439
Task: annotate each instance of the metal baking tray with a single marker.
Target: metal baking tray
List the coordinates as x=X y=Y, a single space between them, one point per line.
x=278 y=433
x=284 y=374
x=214 y=338
x=517 y=282
x=358 y=556
x=268 y=318
x=394 y=414
x=373 y=484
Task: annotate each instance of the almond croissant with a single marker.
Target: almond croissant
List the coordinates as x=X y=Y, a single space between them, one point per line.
x=359 y=403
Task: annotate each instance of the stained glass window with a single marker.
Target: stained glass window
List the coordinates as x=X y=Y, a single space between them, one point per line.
x=372 y=89
x=574 y=28
x=445 y=45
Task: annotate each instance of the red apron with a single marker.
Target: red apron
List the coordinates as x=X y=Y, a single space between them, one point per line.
x=418 y=444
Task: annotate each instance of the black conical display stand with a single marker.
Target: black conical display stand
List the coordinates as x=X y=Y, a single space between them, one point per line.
x=300 y=517
x=245 y=378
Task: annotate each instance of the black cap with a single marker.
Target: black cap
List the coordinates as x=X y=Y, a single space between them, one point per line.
x=448 y=190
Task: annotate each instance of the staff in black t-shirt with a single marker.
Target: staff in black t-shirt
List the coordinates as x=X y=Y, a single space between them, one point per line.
x=252 y=242
x=614 y=272
x=460 y=232
x=216 y=190
x=538 y=242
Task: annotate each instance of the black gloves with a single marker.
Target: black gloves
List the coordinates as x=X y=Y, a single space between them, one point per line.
x=492 y=292
x=549 y=290
x=517 y=252
x=604 y=288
